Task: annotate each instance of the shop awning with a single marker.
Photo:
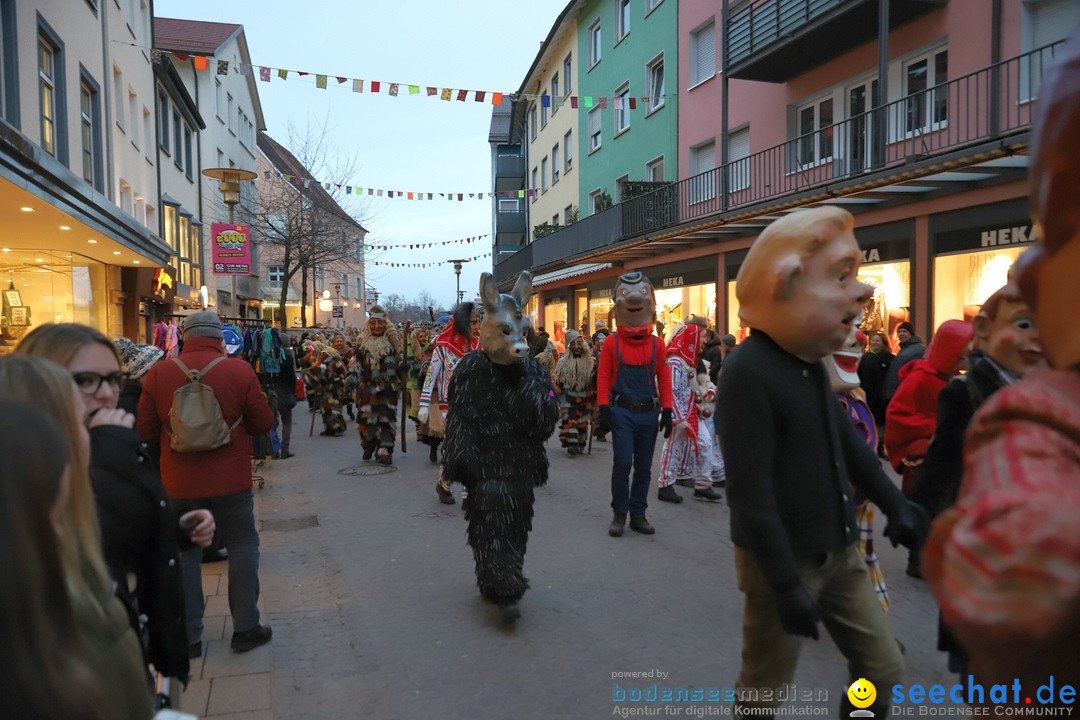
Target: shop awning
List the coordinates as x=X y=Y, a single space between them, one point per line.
x=572 y=271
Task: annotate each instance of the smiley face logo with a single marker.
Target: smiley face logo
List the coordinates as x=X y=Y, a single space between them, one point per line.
x=862 y=693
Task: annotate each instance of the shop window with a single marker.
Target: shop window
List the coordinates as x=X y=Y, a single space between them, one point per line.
x=676 y=305
x=962 y=282
x=555 y=323
x=890 y=303
x=59 y=286
x=601 y=307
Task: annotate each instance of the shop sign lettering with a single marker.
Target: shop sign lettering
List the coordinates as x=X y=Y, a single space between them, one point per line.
x=230 y=249
x=1007 y=236
x=871 y=256
x=669 y=282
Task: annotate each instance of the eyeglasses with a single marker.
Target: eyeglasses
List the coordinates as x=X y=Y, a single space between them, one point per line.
x=89 y=383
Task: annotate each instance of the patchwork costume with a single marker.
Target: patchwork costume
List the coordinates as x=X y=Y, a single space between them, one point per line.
x=575 y=385
x=379 y=363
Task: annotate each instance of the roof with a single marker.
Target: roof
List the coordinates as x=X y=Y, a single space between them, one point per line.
x=287 y=164
x=569 y=272
x=192 y=36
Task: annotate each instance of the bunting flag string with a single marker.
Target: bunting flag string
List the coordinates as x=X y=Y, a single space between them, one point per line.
x=423 y=265
x=371 y=247
x=400 y=89
x=405 y=194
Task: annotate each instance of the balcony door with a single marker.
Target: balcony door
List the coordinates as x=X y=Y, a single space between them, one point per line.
x=860 y=142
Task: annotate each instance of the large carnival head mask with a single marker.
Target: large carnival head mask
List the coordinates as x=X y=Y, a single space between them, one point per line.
x=502 y=333
x=1047 y=273
x=338 y=342
x=376 y=321
x=635 y=300
x=843 y=364
x=1005 y=330
x=798 y=283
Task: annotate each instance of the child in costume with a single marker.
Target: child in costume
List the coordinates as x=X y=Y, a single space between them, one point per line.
x=502 y=409
x=792 y=456
x=688 y=451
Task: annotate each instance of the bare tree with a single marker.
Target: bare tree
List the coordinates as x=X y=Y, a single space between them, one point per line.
x=304 y=218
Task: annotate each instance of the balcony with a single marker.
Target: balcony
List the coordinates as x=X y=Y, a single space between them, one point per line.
x=586 y=235
x=775 y=40
x=970 y=129
x=509 y=228
x=509 y=173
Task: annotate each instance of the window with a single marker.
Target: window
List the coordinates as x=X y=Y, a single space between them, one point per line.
x=622 y=19
x=544 y=174
x=359 y=286
x=148 y=134
x=554 y=164
x=568 y=77
x=703 y=53
x=702 y=172
x=622 y=109
x=508 y=206
x=620 y=187
x=170 y=223
x=815 y=133
x=595 y=44
x=650 y=5
x=185 y=247
x=163 y=119
x=554 y=93
x=50 y=94
x=655 y=76
x=594 y=129
x=1043 y=22
x=90 y=122
x=218 y=93
x=344 y=291
x=275 y=275
x=568 y=214
x=927 y=108
x=738 y=160
x=133 y=114
x=555 y=219
x=532 y=122
x=229 y=112
x=196 y=254
x=178 y=140
x=568 y=150
x=654 y=171
x=130 y=15
x=544 y=102
x=594 y=200
x=188 y=164
x=118 y=97
x=535 y=183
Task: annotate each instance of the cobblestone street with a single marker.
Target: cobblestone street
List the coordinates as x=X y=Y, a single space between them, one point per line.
x=368 y=585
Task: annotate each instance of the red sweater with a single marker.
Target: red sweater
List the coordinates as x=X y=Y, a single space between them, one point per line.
x=636 y=349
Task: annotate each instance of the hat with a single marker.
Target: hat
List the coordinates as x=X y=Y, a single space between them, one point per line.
x=136 y=360
x=376 y=313
x=571 y=336
x=906 y=326
x=728 y=340
x=204 y=323
x=600 y=323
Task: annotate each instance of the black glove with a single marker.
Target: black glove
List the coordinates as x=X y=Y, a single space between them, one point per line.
x=907 y=526
x=798 y=612
x=603 y=419
x=665 y=422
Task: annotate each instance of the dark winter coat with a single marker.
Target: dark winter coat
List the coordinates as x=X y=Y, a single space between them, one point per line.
x=913 y=349
x=140 y=534
x=873 y=367
x=285 y=381
x=214 y=473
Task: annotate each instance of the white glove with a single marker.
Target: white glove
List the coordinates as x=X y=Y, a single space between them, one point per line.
x=422 y=414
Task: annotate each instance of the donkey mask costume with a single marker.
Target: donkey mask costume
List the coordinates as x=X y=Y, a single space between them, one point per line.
x=502 y=409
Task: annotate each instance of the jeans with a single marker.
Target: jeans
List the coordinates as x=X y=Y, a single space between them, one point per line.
x=633 y=442
x=235 y=519
x=285 y=427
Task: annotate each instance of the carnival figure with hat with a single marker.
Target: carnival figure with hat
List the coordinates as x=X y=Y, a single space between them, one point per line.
x=688 y=450
x=459 y=337
x=502 y=410
x=379 y=364
x=324 y=379
x=575 y=385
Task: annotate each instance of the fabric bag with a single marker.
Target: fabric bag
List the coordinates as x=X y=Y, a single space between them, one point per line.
x=195 y=420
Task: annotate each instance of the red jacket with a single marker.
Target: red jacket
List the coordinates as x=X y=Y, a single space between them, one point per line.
x=911 y=416
x=215 y=473
x=635 y=351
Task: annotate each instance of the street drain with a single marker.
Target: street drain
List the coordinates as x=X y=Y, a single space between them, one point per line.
x=437 y=514
x=368 y=470
x=290 y=524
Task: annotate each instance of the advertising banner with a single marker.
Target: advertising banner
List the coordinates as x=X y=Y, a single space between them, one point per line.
x=230 y=249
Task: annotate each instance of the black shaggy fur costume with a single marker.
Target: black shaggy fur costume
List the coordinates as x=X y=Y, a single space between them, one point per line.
x=500 y=416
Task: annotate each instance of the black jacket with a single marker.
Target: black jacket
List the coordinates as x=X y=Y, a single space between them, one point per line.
x=873 y=368
x=791 y=455
x=285 y=381
x=913 y=349
x=140 y=534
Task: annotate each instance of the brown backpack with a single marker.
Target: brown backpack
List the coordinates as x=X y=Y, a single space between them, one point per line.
x=195 y=419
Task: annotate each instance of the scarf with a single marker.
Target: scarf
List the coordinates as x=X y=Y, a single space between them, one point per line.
x=455 y=342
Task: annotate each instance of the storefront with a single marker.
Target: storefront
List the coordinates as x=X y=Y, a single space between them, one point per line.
x=886 y=267
x=43 y=286
x=973 y=251
x=555 y=312
x=684 y=289
x=601 y=303
x=732 y=262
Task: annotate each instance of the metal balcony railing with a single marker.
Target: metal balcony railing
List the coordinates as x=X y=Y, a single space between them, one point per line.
x=761 y=23
x=989 y=104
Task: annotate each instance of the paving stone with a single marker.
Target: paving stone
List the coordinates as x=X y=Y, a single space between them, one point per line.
x=239 y=693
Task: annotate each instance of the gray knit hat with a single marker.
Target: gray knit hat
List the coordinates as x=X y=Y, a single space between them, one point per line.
x=204 y=323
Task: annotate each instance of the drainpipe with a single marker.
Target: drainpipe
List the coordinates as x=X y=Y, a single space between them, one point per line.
x=995 y=58
x=107 y=83
x=883 y=82
x=723 y=110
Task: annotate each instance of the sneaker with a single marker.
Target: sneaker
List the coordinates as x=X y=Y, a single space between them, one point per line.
x=251 y=639
x=445 y=496
x=668 y=494
x=194 y=650
x=641 y=525
x=617 y=524
x=707 y=494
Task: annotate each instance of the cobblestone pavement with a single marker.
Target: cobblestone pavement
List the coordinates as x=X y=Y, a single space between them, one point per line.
x=368 y=584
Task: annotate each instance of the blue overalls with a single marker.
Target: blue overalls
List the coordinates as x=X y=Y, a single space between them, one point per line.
x=634 y=407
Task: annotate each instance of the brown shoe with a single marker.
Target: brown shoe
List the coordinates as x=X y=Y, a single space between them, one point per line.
x=641 y=525
x=617 y=524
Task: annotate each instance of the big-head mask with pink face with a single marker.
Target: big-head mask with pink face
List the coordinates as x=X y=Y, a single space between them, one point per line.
x=843 y=365
x=635 y=301
x=502 y=332
x=798 y=282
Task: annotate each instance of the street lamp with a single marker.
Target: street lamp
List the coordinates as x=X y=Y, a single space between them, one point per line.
x=229 y=180
x=457 y=272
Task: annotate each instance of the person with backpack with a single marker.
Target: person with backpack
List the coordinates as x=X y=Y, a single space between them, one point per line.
x=202 y=407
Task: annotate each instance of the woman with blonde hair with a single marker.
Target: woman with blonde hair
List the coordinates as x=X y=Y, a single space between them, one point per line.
x=110 y=647
x=141 y=532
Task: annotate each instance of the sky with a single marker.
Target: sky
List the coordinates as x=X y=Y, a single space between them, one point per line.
x=410 y=143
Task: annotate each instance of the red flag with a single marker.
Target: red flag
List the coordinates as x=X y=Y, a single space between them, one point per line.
x=432 y=91
x=264 y=73
x=479 y=96
x=375 y=86
x=182 y=57
x=341 y=80
x=603 y=103
x=201 y=62
x=633 y=103
x=462 y=94
x=573 y=101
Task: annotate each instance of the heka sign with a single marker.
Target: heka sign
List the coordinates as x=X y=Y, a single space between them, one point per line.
x=230 y=249
x=1007 y=236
